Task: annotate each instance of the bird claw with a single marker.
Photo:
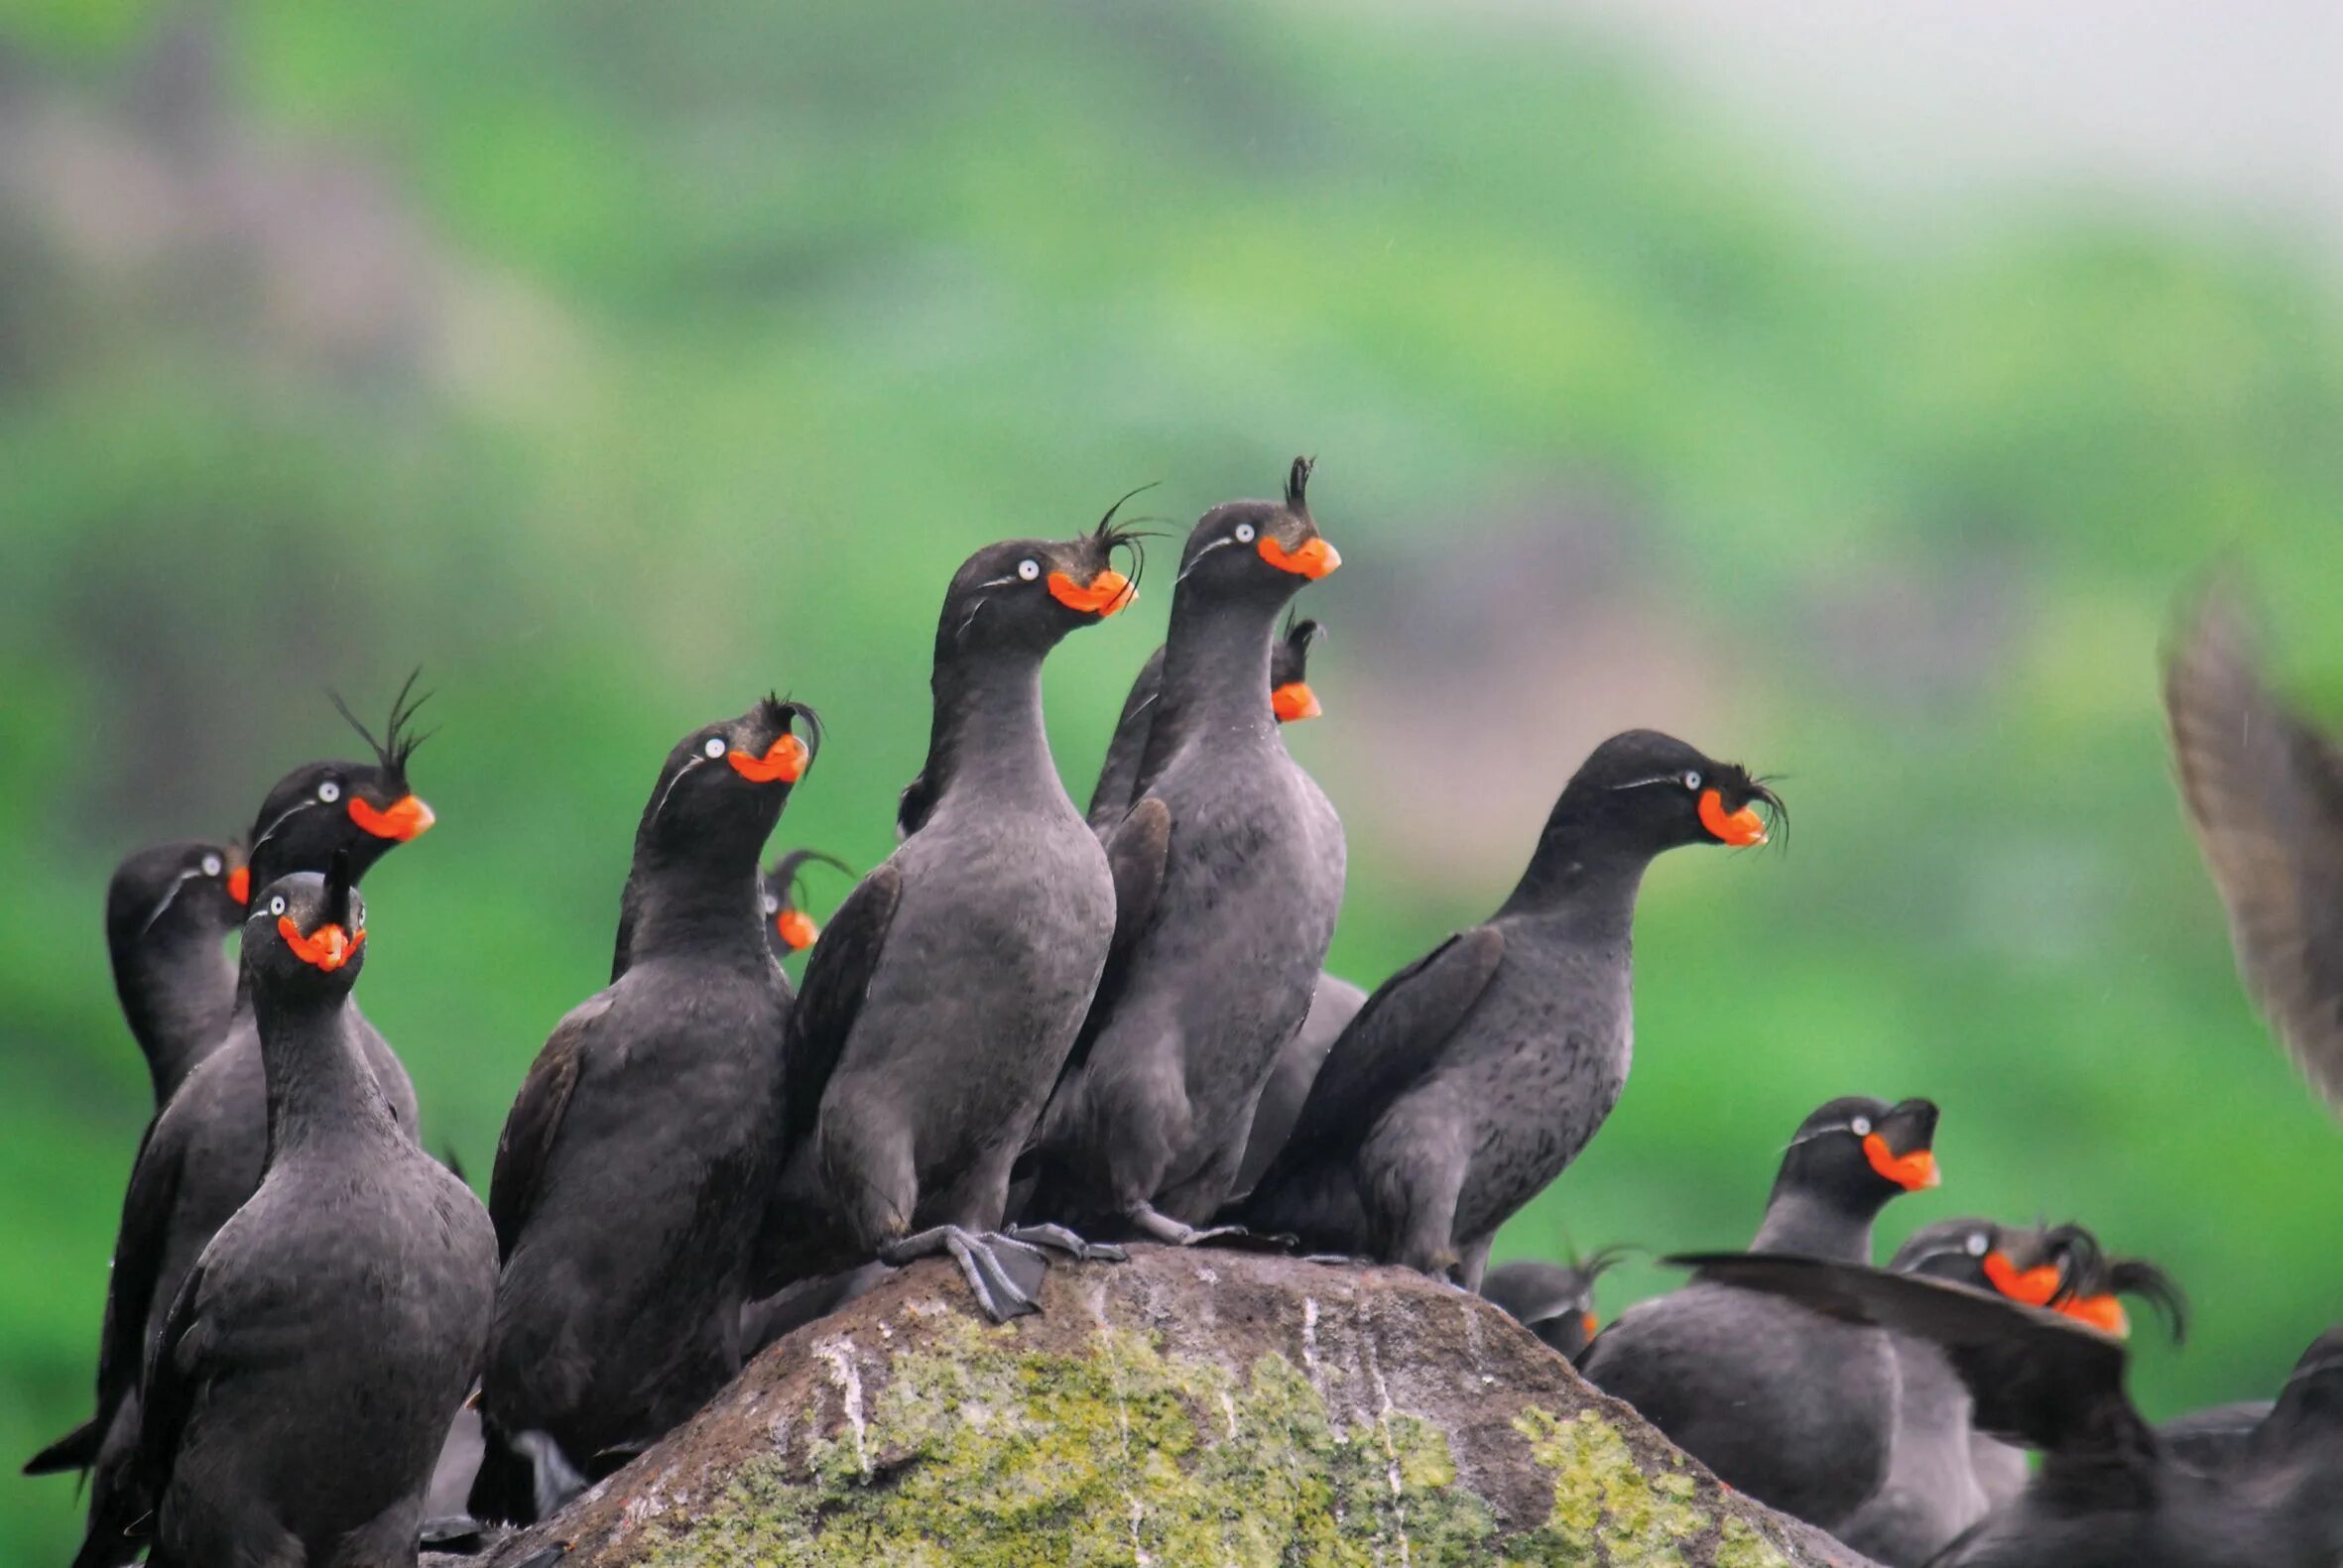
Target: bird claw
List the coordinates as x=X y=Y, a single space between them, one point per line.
x=453 y=1532
x=1058 y=1239
x=984 y=1263
x=1163 y=1227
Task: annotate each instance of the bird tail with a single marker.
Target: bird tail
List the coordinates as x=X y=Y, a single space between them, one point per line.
x=76 y=1450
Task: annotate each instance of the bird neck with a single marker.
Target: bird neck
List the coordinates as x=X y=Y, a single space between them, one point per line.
x=1815 y=1223
x=1580 y=867
x=1215 y=675
x=1118 y=773
x=988 y=732
x=321 y=1088
x=700 y=896
x=177 y=989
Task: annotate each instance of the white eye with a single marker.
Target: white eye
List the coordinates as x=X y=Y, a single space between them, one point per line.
x=714 y=747
x=1977 y=1244
x=212 y=865
x=1860 y=1127
x=772 y=905
x=1245 y=533
x=1692 y=778
x=1030 y=569
x=277 y=904
x=329 y=791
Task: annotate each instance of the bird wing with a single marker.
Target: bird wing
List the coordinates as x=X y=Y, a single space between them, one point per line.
x=1393 y=1042
x=2033 y=1377
x=2264 y=794
x=837 y=977
x=139 y=1246
x=169 y=1389
x=1136 y=853
x=534 y=1126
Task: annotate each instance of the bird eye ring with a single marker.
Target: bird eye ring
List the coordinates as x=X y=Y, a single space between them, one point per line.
x=1977 y=1244
x=1245 y=533
x=714 y=746
x=1030 y=569
x=212 y=865
x=329 y=791
x=1860 y=1127
x=277 y=904
x=1691 y=778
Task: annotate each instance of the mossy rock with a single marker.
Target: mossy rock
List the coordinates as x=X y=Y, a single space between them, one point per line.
x=1184 y=1408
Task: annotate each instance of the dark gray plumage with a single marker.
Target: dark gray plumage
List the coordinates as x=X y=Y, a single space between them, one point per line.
x=2264 y=794
x=203 y=1154
x=944 y=995
x=1228 y=876
x=1473 y=1076
x=1332 y=1004
x=2216 y=1438
x=302 y=1385
x=169 y=911
x=1794 y=1409
x=1555 y=1301
x=2108 y=1494
x=631 y=1176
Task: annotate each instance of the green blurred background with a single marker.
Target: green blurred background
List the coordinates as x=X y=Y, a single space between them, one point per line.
x=616 y=363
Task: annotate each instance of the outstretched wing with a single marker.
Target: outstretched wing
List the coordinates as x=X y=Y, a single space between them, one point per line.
x=837 y=977
x=534 y=1126
x=2264 y=794
x=1394 y=1040
x=2035 y=1376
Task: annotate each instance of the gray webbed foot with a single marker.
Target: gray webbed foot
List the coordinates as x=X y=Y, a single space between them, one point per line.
x=1163 y=1227
x=1004 y=1274
x=1058 y=1238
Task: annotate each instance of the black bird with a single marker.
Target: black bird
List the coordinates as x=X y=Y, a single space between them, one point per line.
x=302 y=1382
x=1555 y=1301
x=789 y=927
x=1336 y=1001
x=2265 y=794
x=943 y=999
x=202 y=1155
x=1228 y=875
x=2109 y=1493
x=169 y=911
x=1795 y=1411
x=632 y=1172
x=1474 y=1075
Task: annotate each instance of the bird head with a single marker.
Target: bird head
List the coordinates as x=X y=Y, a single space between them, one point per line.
x=1258 y=549
x=1028 y=593
x=187 y=887
x=307 y=931
x=1863 y=1152
x=732 y=777
x=789 y=928
x=364 y=809
x=1662 y=794
x=1290 y=693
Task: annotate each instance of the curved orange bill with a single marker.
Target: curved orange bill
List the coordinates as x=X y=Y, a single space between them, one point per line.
x=1913 y=1172
x=1590 y=1325
x=1295 y=701
x=327 y=947
x=2104 y=1313
x=2035 y=1286
x=1313 y=560
x=783 y=760
x=796 y=929
x=240 y=884
x=405 y=818
x=1740 y=828
x=1107 y=593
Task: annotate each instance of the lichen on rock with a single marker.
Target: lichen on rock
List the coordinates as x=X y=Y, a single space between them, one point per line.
x=1183 y=1409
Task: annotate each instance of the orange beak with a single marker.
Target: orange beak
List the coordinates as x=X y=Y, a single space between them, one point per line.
x=1108 y=593
x=1740 y=828
x=1590 y=1325
x=240 y=884
x=1913 y=1172
x=407 y=817
x=1313 y=560
x=784 y=761
x=327 y=947
x=2104 y=1313
x=2035 y=1286
x=796 y=929
x=1295 y=701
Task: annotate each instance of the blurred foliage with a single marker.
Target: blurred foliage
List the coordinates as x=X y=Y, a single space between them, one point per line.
x=616 y=365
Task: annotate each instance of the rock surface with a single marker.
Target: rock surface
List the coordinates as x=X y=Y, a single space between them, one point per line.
x=1205 y=1407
